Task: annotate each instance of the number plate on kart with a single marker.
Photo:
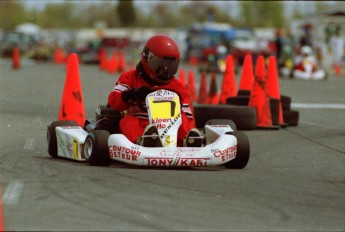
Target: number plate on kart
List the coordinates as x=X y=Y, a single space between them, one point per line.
x=165 y=113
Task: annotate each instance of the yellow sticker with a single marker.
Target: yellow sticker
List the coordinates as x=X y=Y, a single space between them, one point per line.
x=164 y=109
x=75 y=149
x=169 y=140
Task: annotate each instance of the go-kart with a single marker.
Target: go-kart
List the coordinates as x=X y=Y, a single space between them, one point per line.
x=100 y=142
x=307 y=70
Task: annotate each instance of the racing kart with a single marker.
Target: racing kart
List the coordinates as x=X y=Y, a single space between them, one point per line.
x=306 y=70
x=100 y=142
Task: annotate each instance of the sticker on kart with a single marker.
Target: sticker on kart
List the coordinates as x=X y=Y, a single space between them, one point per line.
x=165 y=113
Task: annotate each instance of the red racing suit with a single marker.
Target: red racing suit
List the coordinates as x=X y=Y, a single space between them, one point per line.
x=134 y=123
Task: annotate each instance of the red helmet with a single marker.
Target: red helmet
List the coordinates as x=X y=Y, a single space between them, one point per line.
x=160 y=58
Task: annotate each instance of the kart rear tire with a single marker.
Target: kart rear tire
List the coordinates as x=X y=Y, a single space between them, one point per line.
x=51 y=135
x=96 y=148
x=243 y=116
x=222 y=122
x=238 y=100
x=242 y=154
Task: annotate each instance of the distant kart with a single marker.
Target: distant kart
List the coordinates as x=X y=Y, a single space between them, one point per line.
x=305 y=70
x=100 y=141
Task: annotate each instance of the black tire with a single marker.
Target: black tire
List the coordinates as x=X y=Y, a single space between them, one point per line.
x=112 y=125
x=238 y=100
x=274 y=109
x=243 y=152
x=242 y=92
x=222 y=122
x=286 y=102
x=243 y=116
x=291 y=117
x=51 y=135
x=96 y=148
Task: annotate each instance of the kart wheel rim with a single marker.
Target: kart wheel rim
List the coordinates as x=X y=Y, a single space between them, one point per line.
x=88 y=148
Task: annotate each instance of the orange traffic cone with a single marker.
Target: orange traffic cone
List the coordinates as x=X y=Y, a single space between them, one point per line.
x=181 y=76
x=113 y=63
x=229 y=82
x=59 y=56
x=103 y=59
x=273 y=89
x=259 y=98
x=337 y=69
x=122 y=62
x=213 y=96
x=202 y=98
x=191 y=85
x=72 y=103
x=247 y=77
x=193 y=60
x=15 y=58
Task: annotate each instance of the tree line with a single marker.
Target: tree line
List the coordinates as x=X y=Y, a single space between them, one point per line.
x=75 y=14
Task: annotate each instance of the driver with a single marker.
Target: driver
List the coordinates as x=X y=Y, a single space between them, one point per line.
x=157 y=68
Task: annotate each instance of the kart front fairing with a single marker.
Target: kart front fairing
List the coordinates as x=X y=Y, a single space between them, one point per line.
x=216 y=153
x=165 y=113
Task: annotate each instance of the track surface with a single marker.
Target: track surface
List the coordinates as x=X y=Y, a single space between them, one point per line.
x=294 y=181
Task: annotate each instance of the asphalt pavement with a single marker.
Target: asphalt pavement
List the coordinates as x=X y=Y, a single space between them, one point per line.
x=294 y=181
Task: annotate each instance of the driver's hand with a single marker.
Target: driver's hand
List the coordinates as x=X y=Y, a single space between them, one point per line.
x=130 y=96
x=142 y=92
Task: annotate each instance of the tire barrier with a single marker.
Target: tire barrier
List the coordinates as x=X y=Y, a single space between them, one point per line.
x=243 y=116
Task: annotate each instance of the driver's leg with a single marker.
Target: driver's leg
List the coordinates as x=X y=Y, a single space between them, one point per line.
x=132 y=127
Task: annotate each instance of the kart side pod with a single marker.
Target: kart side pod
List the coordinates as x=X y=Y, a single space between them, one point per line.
x=70 y=142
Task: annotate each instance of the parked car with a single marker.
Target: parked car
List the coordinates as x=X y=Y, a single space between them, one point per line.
x=11 y=39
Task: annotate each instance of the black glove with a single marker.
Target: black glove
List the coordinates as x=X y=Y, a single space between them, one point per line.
x=130 y=96
x=142 y=92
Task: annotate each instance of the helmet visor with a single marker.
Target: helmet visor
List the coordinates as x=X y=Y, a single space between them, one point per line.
x=164 y=68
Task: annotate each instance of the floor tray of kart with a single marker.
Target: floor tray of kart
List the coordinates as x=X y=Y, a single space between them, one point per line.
x=99 y=142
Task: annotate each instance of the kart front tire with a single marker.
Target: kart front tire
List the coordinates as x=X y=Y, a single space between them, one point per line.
x=243 y=152
x=96 y=148
x=51 y=135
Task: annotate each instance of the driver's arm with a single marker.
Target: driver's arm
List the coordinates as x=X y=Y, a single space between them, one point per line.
x=115 y=100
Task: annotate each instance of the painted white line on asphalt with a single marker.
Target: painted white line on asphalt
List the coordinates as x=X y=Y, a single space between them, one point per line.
x=29 y=144
x=12 y=193
x=318 y=106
